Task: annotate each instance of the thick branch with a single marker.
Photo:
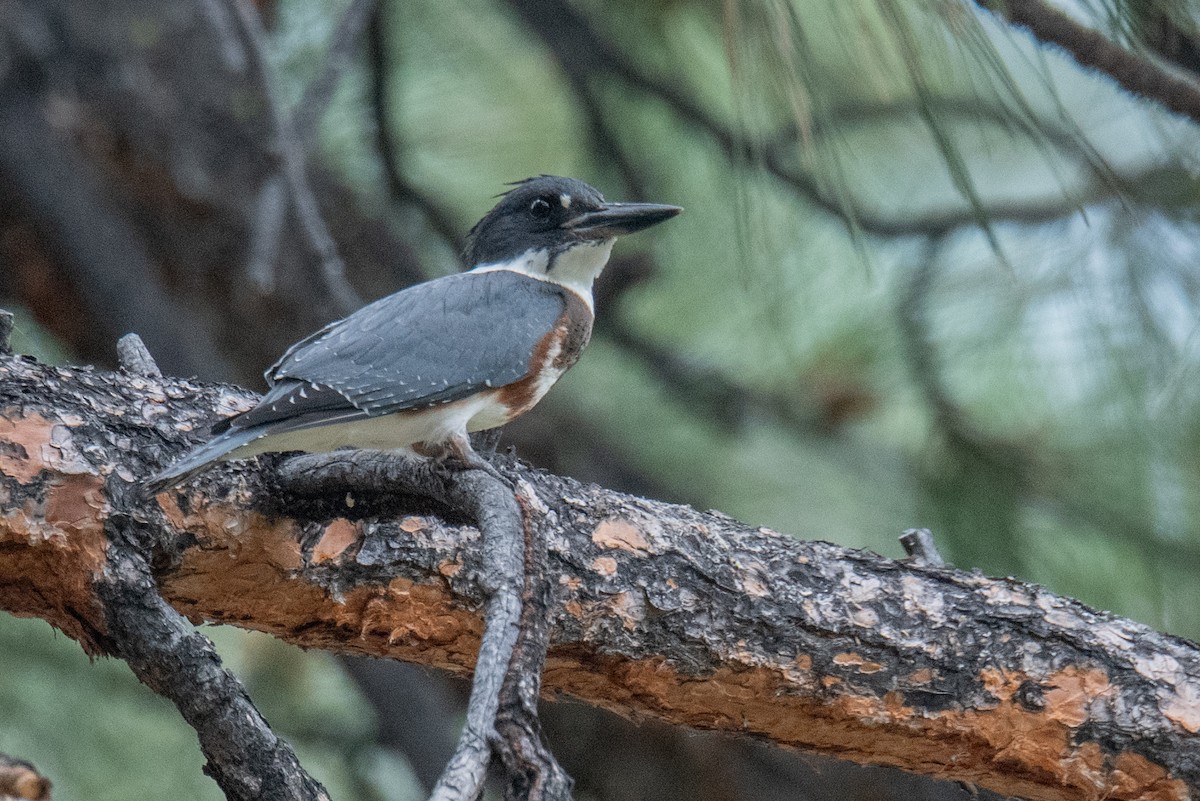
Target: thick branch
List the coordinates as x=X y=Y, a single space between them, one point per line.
x=656 y=609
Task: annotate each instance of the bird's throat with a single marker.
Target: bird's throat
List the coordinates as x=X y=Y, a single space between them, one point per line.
x=574 y=268
x=578 y=266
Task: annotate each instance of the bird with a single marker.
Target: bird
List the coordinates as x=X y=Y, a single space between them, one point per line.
x=424 y=367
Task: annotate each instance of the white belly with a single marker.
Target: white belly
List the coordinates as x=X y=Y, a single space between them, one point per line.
x=400 y=430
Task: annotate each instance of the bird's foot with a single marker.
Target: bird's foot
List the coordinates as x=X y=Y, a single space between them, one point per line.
x=474 y=461
x=457 y=453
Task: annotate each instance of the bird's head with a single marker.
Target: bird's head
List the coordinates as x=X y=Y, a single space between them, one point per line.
x=560 y=229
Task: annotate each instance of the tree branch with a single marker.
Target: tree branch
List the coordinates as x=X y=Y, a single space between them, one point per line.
x=6 y=327
x=656 y=609
x=173 y=134
x=245 y=758
x=919 y=544
x=379 y=61
x=1092 y=49
x=289 y=150
x=583 y=53
x=101 y=249
x=134 y=357
x=318 y=94
x=502 y=711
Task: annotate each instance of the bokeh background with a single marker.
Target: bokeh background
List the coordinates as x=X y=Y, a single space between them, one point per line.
x=930 y=274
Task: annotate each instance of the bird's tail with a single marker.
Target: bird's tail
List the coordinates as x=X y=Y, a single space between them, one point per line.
x=197 y=461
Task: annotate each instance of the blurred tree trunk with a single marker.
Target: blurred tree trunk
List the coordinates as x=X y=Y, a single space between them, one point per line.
x=140 y=190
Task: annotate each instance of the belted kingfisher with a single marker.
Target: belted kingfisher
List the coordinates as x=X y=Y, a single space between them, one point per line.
x=425 y=366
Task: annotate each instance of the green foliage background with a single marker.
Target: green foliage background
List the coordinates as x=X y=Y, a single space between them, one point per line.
x=954 y=272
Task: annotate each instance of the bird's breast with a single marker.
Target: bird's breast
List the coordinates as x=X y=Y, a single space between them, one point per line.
x=555 y=353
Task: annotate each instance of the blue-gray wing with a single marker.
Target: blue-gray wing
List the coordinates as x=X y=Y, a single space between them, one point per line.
x=431 y=343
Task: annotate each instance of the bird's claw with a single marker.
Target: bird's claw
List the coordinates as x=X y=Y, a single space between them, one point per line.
x=459 y=455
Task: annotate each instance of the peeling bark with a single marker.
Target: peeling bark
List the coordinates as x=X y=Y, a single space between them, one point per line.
x=657 y=609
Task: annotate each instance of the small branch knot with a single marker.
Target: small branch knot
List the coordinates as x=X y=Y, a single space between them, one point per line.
x=6 y=327
x=919 y=545
x=134 y=357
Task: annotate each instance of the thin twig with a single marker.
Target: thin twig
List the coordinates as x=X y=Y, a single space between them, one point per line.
x=912 y=314
x=710 y=391
x=290 y=153
x=219 y=15
x=266 y=232
x=605 y=140
x=320 y=90
x=379 y=60
x=464 y=774
x=533 y=772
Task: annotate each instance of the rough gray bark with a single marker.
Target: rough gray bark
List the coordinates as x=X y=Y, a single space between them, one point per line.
x=246 y=759
x=655 y=609
x=502 y=713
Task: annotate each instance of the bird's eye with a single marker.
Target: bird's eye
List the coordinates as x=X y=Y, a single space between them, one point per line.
x=540 y=208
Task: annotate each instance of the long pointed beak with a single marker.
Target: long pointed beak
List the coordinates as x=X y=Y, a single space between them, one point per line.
x=617 y=219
